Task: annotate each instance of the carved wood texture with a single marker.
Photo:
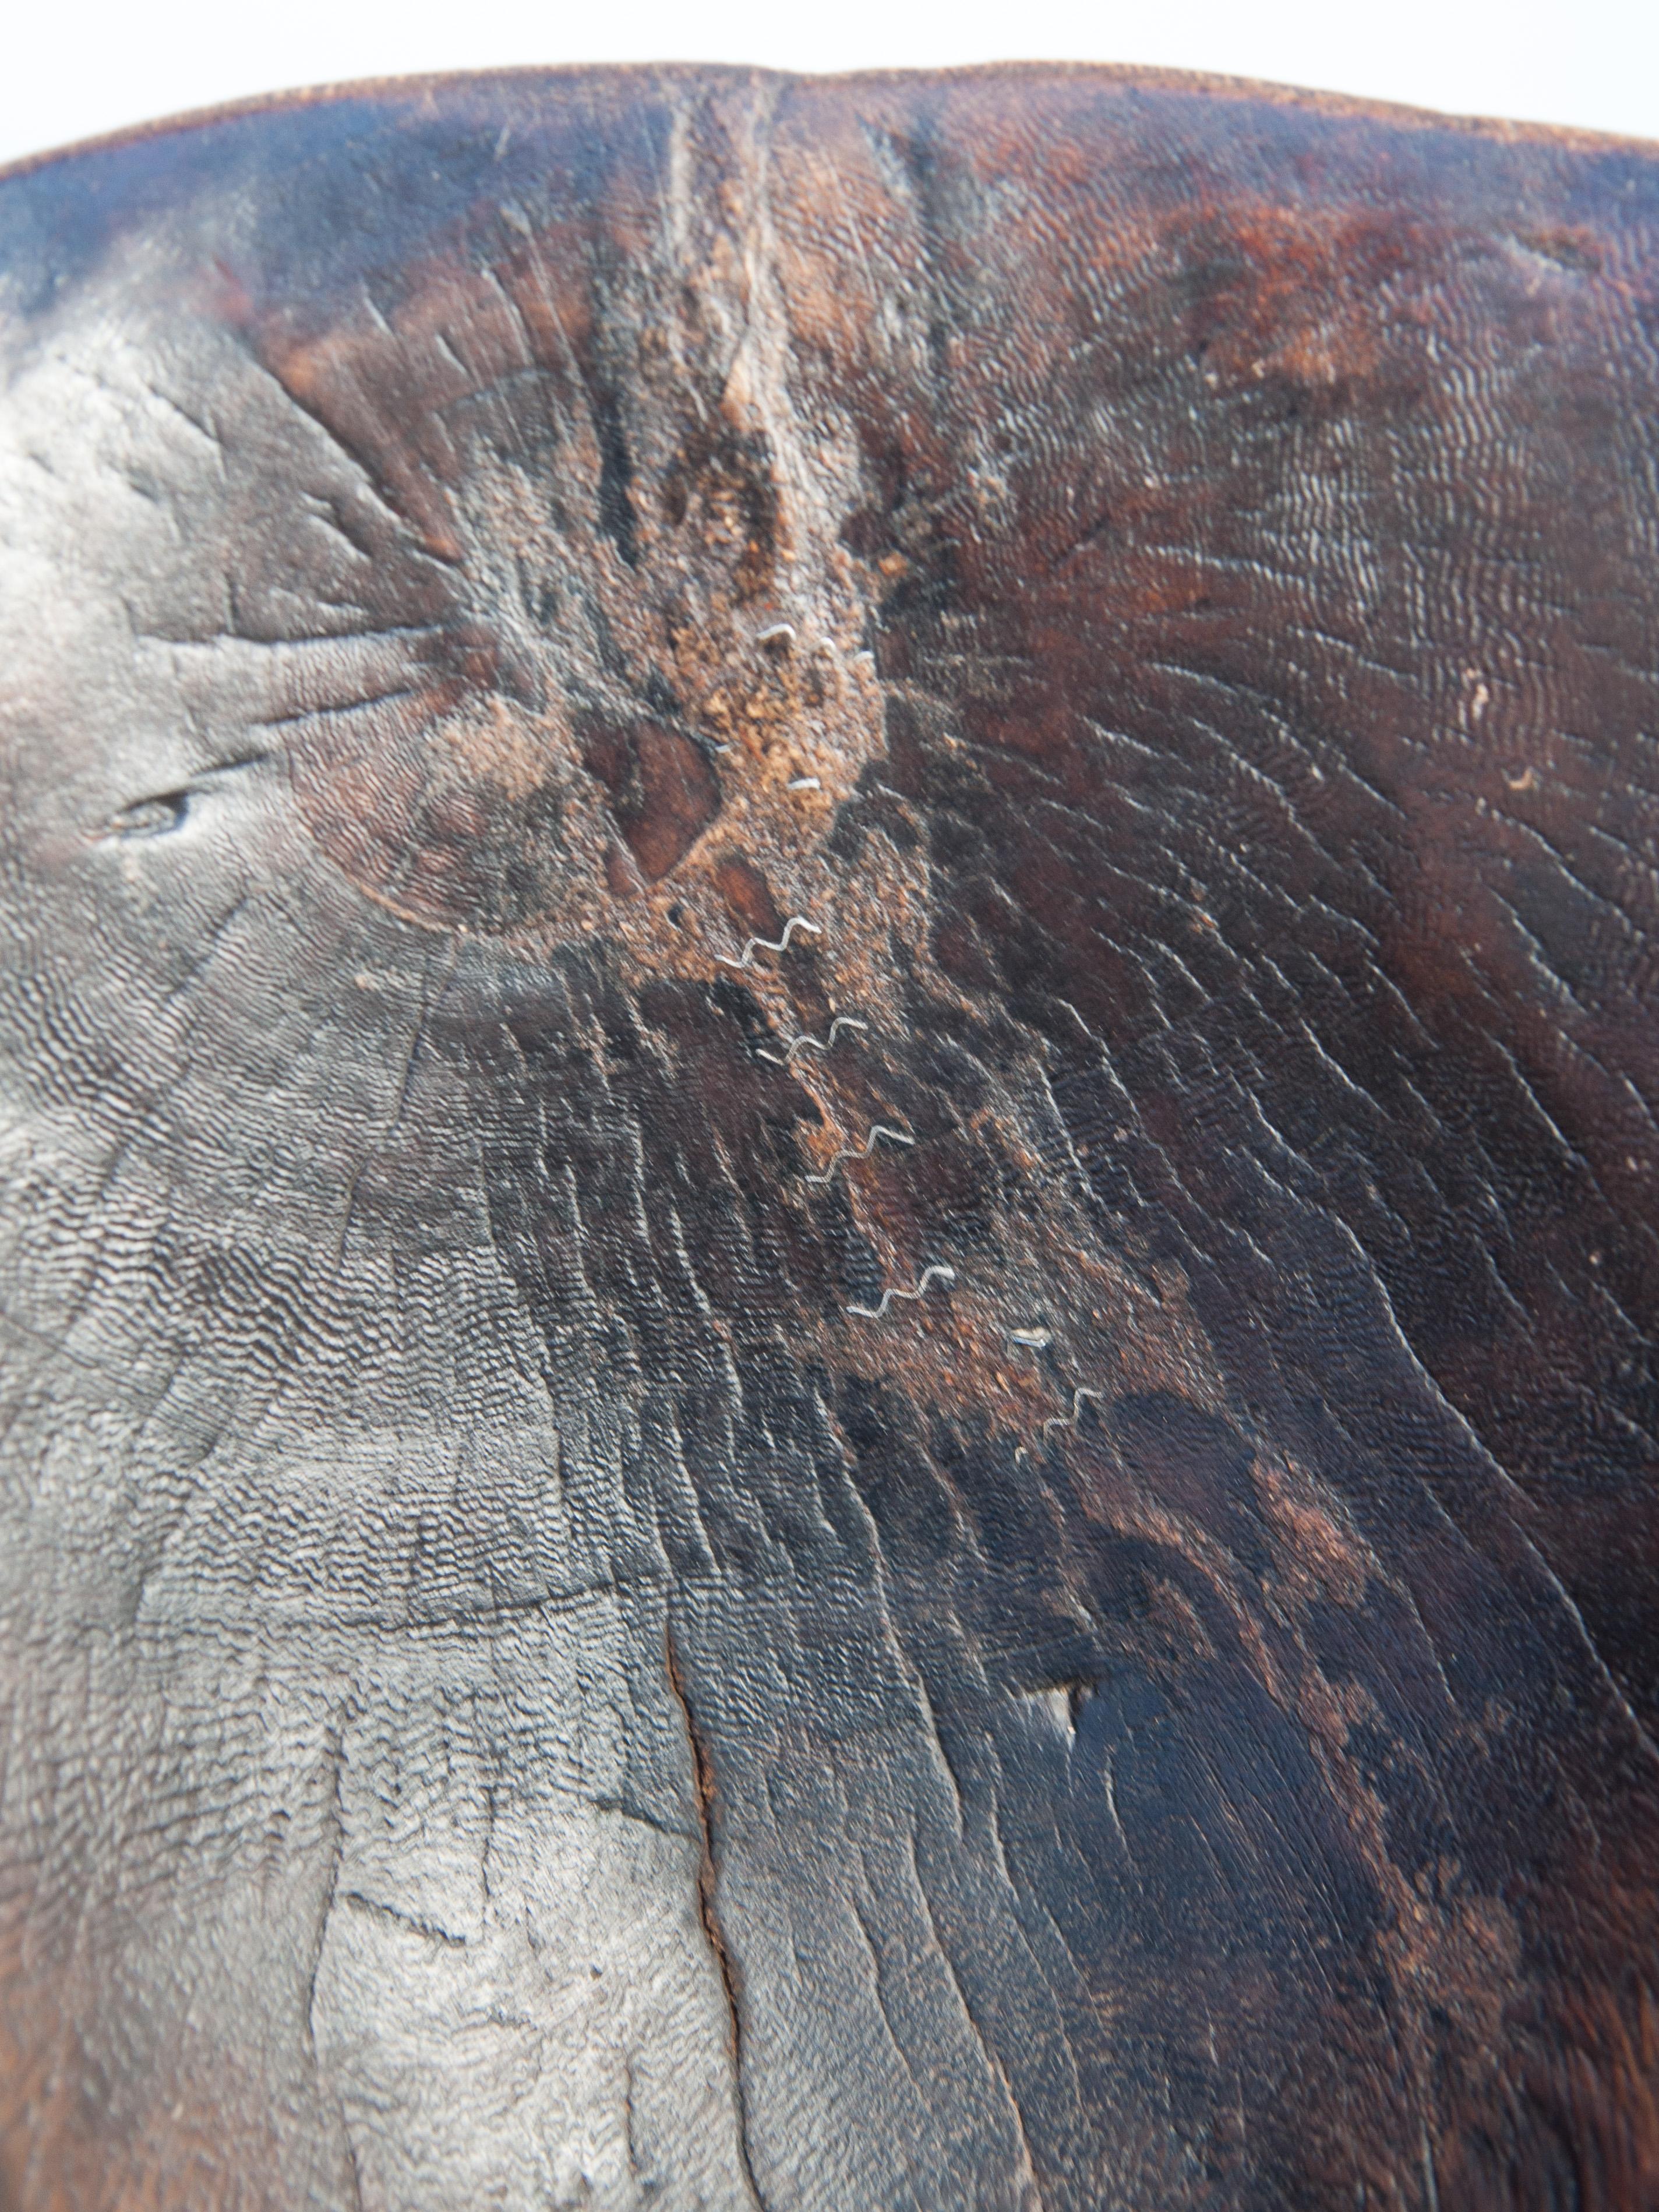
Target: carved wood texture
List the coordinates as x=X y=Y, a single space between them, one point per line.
x=828 y=956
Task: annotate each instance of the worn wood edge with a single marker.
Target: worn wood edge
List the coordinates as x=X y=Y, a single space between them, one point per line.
x=1127 y=77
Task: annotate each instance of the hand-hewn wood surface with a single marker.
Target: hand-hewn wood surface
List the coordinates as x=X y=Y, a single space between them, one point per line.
x=827 y=1228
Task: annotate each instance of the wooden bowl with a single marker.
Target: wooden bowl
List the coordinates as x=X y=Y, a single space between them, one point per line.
x=829 y=940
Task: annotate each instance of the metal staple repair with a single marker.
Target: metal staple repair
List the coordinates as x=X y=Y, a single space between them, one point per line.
x=796 y=922
x=1070 y=1420
x=854 y=1152
x=816 y=1045
x=937 y=1273
x=1034 y=1339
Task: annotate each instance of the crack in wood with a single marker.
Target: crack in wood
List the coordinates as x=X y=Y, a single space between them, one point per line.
x=703 y=1790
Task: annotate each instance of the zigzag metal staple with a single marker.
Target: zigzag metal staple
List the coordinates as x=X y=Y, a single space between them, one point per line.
x=854 y=1152
x=765 y=944
x=816 y=1045
x=937 y=1273
x=1070 y=1420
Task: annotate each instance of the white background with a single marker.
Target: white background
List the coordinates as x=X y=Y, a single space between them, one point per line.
x=67 y=71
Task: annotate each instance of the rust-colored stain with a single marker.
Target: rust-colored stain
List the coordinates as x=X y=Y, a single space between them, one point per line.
x=662 y=791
